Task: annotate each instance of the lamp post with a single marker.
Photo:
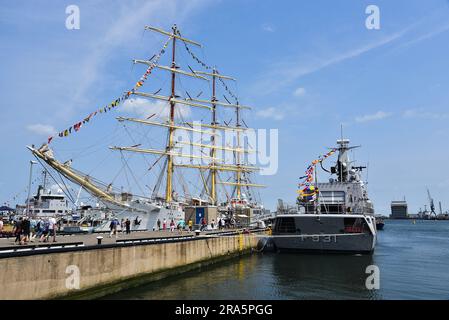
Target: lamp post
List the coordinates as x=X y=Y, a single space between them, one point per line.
x=29 y=187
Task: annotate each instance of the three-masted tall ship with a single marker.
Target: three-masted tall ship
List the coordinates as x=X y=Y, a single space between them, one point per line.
x=198 y=148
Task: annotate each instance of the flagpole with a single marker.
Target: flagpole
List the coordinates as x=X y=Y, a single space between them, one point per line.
x=317 y=205
x=29 y=187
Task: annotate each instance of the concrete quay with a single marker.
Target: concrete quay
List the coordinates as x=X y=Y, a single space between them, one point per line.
x=90 y=270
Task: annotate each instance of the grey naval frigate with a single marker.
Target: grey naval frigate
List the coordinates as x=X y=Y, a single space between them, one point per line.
x=335 y=216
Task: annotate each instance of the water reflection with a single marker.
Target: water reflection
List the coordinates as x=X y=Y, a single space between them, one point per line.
x=266 y=276
x=412 y=259
x=322 y=276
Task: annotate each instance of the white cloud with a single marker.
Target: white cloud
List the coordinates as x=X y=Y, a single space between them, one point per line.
x=59 y=189
x=423 y=114
x=77 y=71
x=268 y=28
x=41 y=129
x=297 y=68
x=271 y=113
x=426 y=36
x=373 y=117
x=299 y=92
x=293 y=71
x=131 y=16
x=160 y=109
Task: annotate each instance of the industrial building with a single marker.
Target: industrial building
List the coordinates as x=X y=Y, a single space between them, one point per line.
x=399 y=210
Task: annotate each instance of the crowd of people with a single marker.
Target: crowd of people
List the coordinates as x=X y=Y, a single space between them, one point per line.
x=28 y=230
x=164 y=225
x=125 y=227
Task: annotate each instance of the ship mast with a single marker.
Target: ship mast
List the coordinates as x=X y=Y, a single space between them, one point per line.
x=237 y=167
x=173 y=101
x=238 y=174
x=213 y=172
x=169 y=184
x=214 y=165
x=215 y=125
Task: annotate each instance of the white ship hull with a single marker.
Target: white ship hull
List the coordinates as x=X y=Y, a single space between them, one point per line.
x=147 y=214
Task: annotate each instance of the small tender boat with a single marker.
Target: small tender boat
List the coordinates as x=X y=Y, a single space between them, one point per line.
x=380 y=224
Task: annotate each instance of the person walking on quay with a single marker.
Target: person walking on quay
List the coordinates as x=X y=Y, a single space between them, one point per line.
x=113 y=227
x=212 y=223
x=164 y=225
x=128 y=226
x=190 y=225
x=52 y=228
x=203 y=224
x=45 y=230
x=222 y=224
x=26 y=229
x=1 y=225
x=33 y=229
x=122 y=225
x=39 y=229
x=158 y=224
x=18 y=230
x=137 y=222
x=172 y=226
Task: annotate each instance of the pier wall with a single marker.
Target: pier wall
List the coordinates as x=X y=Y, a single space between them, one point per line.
x=107 y=270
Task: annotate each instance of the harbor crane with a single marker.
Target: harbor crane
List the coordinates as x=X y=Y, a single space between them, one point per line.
x=432 y=204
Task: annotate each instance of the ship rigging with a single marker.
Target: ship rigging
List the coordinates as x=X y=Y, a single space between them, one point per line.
x=203 y=151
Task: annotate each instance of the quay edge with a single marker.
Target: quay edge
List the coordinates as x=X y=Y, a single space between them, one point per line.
x=109 y=270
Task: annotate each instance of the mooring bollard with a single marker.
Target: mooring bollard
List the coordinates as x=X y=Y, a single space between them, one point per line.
x=99 y=240
x=197 y=232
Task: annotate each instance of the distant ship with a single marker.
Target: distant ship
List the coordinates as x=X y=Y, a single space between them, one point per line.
x=47 y=203
x=336 y=216
x=380 y=224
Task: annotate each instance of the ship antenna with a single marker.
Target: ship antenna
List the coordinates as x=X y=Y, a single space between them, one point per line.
x=341 y=165
x=367 y=172
x=341 y=130
x=317 y=194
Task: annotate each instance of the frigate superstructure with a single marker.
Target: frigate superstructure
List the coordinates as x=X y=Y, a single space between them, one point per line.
x=333 y=216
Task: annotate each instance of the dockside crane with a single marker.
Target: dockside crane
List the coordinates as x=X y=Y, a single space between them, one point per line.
x=432 y=204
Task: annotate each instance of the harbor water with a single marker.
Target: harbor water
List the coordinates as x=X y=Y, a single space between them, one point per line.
x=412 y=259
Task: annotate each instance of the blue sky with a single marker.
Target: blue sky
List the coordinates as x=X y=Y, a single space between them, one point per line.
x=305 y=66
